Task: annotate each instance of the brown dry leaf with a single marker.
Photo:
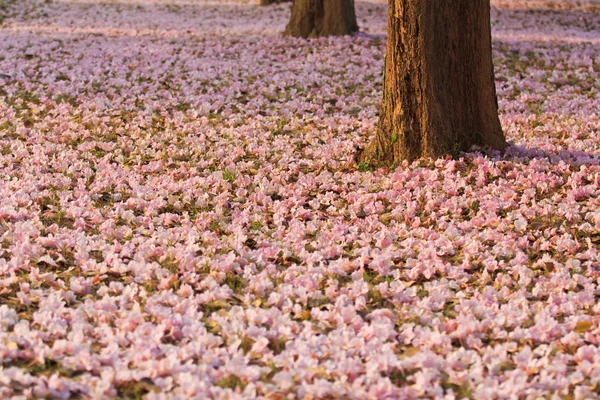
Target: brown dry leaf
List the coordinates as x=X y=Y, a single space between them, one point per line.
x=583 y=326
x=409 y=352
x=319 y=371
x=386 y=218
x=304 y=315
x=213 y=327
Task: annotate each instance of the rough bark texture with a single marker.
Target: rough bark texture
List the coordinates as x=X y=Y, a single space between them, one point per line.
x=314 y=18
x=439 y=95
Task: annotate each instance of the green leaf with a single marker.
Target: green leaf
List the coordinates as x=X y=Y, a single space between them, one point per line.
x=364 y=167
x=228 y=176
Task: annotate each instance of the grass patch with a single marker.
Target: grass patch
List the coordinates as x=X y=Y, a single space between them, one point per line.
x=278 y=344
x=235 y=282
x=135 y=390
x=365 y=167
x=49 y=367
x=231 y=382
x=400 y=377
x=228 y=176
x=247 y=344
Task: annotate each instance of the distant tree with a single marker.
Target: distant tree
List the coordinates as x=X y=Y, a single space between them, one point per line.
x=314 y=18
x=439 y=95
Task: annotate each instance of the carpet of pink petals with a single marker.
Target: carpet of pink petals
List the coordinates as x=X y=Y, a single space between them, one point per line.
x=180 y=216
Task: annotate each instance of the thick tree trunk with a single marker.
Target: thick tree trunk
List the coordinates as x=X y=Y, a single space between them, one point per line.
x=314 y=18
x=439 y=95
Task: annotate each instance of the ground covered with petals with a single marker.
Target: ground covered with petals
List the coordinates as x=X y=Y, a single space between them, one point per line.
x=180 y=215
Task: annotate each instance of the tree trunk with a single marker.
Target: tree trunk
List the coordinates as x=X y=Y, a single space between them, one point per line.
x=314 y=18
x=439 y=95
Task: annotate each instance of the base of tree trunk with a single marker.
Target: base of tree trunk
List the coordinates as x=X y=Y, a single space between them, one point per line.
x=439 y=95
x=314 y=18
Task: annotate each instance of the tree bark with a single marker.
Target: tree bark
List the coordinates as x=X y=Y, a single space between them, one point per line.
x=314 y=18
x=439 y=95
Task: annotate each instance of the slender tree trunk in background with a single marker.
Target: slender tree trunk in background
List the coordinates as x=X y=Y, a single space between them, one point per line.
x=439 y=95
x=314 y=18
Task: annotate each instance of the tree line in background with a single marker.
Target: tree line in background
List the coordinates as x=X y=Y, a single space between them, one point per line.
x=439 y=95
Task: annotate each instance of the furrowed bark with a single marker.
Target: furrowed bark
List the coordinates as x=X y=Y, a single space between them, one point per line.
x=314 y=18
x=439 y=95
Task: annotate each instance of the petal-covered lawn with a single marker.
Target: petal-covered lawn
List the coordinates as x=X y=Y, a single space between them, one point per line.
x=181 y=215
